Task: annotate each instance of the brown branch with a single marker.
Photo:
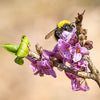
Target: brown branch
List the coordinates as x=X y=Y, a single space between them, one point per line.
x=91 y=66
x=78 y=73
x=93 y=69
x=33 y=55
x=82 y=74
x=78 y=23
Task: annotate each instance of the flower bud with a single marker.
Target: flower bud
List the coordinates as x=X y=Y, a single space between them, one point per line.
x=88 y=44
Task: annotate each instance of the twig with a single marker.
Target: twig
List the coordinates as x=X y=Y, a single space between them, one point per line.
x=78 y=23
x=33 y=55
x=82 y=74
x=93 y=70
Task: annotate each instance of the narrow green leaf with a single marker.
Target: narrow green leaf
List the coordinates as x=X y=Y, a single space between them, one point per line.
x=19 y=61
x=11 y=48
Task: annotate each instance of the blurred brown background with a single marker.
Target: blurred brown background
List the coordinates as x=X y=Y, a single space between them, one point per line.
x=35 y=18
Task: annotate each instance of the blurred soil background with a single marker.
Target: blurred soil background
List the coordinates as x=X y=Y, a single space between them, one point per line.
x=35 y=18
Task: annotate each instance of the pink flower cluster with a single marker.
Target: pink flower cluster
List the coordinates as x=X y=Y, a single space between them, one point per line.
x=69 y=50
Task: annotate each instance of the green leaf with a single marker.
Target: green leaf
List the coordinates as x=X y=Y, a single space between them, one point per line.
x=19 y=61
x=23 y=49
x=11 y=48
x=25 y=40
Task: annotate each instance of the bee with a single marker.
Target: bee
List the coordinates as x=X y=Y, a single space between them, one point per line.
x=62 y=26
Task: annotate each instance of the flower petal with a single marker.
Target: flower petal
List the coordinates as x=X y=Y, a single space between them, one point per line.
x=77 y=57
x=66 y=36
x=84 y=51
x=79 y=84
x=33 y=67
x=52 y=72
x=47 y=54
x=83 y=63
x=84 y=86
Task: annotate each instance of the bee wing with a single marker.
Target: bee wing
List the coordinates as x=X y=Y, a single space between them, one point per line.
x=50 y=34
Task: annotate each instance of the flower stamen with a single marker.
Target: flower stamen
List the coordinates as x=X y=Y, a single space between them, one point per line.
x=77 y=50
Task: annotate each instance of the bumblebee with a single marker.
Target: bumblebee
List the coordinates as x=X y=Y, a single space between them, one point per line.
x=62 y=26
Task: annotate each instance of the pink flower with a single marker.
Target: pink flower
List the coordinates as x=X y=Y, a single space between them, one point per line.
x=77 y=82
x=43 y=66
x=69 y=37
x=64 y=49
x=78 y=52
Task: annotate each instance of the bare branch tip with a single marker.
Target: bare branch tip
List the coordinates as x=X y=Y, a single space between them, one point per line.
x=83 y=12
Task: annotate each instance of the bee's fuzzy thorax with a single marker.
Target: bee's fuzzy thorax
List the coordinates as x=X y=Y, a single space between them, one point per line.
x=62 y=23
